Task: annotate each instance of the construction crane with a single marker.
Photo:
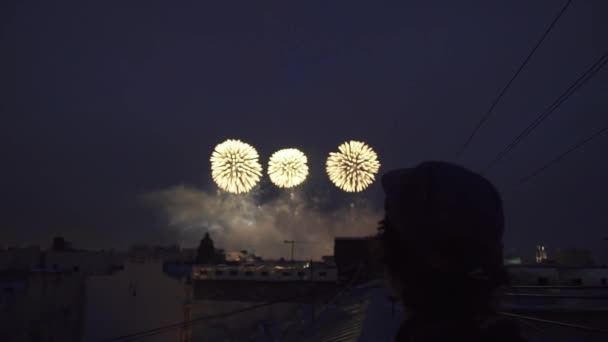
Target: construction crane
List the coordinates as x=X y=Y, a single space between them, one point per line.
x=293 y=243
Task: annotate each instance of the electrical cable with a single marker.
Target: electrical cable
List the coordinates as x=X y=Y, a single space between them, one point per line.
x=576 y=85
x=562 y=155
x=486 y=116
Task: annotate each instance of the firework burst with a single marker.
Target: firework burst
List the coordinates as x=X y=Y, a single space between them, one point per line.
x=354 y=167
x=235 y=166
x=288 y=168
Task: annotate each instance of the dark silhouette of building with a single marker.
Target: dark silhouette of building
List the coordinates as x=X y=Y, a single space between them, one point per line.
x=578 y=257
x=354 y=258
x=41 y=306
x=60 y=244
x=141 y=253
x=206 y=251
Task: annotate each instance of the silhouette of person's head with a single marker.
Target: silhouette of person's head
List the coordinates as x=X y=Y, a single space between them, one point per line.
x=442 y=240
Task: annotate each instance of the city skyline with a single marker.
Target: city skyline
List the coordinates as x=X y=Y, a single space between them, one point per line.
x=104 y=109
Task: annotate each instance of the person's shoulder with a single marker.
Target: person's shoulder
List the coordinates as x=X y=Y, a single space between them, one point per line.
x=502 y=330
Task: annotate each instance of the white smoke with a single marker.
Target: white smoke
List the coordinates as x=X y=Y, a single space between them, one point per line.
x=237 y=222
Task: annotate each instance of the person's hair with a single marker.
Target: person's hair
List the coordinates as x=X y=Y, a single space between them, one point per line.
x=431 y=292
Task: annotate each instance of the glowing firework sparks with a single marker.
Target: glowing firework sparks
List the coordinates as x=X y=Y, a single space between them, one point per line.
x=235 y=167
x=354 y=168
x=288 y=168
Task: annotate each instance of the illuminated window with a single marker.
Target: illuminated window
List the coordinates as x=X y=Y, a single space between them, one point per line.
x=541 y=254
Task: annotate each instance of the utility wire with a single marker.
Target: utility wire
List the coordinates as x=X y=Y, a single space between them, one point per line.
x=557 y=287
x=330 y=302
x=562 y=155
x=169 y=327
x=486 y=116
x=563 y=324
x=576 y=85
x=556 y=296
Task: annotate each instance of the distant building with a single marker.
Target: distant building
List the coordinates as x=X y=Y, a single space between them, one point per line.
x=267 y=272
x=42 y=292
x=512 y=260
x=354 y=258
x=85 y=262
x=60 y=244
x=58 y=260
x=541 y=254
x=137 y=299
x=206 y=251
x=581 y=257
x=557 y=275
x=241 y=257
x=145 y=253
x=188 y=254
x=528 y=275
x=208 y=254
x=20 y=259
x=329 y=259
x=41 y=306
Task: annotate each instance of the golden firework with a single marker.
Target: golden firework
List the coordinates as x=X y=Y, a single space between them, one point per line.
x=288 y=167
x=354 y=168
x=235 y=166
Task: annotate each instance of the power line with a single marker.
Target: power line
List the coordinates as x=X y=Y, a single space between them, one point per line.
x=555 y=296
x=169 y=327
x=563 y=324
x=576 y=85
x=486 y=116
x=562 y=155
x=330 y=302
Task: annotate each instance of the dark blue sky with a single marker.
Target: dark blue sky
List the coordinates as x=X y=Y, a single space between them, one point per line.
x=104 y=101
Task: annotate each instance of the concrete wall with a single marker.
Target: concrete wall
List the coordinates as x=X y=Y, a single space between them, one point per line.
x=584 y=276
x=138 y=298
x=20 y=259
x=87 y=262
x=41 y=306
x=263 y=273
x=532 y=275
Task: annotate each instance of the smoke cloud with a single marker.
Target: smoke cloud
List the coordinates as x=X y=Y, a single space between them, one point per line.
x=237 y=222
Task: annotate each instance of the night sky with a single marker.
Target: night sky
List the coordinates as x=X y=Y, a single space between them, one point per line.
x=103 y=101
